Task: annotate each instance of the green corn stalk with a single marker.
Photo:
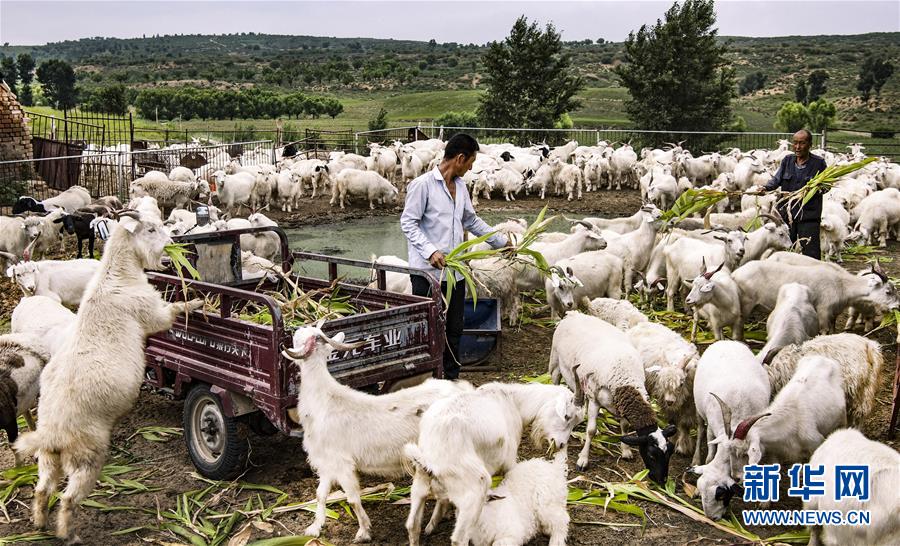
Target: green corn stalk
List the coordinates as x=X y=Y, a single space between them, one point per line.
x=457 y=260
x=27 y=537
x=156 y=434
x=692 y=201
x=178 y=253
x=824 y=181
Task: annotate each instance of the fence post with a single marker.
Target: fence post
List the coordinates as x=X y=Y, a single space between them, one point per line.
x=130 y=130
x=824 y=138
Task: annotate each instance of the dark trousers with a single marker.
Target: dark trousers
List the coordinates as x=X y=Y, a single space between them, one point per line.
x=808 y=233
x=454 y=325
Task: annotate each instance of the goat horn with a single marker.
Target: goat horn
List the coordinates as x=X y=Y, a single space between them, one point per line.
x=709 y=274
x=9 y=256
x=740 y=433
x=777 y=219
x=340 y=345
x=579 y=392
x=589 y=226
x=726 y=413
x=876 y=269
x=706 y=220
x=292 y=354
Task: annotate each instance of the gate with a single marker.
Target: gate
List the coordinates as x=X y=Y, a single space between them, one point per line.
x=59 y=174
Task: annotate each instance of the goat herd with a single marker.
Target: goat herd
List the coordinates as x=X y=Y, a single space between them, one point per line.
x=790 y=402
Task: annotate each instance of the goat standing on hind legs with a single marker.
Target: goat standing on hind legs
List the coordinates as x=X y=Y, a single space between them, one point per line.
x=95 y=377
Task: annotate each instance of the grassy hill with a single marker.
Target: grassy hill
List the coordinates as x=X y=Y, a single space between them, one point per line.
x=418 y=81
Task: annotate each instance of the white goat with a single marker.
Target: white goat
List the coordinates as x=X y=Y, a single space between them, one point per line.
x=586 y=275
x=96 y=377
x=394 y=282
x=62 y=280
x=620 y=313
x=22 y=357
x=861 y=365
x=850 y=447
x=595 y=357
x=44 y=318
x=347 y=432
x=530 y=499
x=792 y=321
x=669 y=365
x=729 y=385
x=465 y=439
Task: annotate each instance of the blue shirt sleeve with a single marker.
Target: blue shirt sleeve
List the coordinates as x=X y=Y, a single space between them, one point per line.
x=776 y=180
x=411 y=218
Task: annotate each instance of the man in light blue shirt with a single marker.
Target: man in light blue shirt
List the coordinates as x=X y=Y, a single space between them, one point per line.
x=437 y=212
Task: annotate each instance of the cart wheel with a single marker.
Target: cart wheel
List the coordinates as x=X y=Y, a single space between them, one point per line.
x=213 y=442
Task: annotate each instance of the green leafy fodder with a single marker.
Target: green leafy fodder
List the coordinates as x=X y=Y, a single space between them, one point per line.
x=457 y=261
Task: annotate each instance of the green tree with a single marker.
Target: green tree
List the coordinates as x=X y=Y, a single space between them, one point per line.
x=529 y=81
x=333 y=107
x=380 y=121
x=801 y=93
x=58 y=80
x=821 y=114
x=457 y=119
x=792 y=117
x=8 y=73
x=873 y=74
x=817 y=86
x=112 y=99
x=677 y=73
x=25 y=66
x=752 y=82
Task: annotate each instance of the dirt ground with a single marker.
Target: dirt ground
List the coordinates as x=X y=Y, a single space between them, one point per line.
x=278 y=461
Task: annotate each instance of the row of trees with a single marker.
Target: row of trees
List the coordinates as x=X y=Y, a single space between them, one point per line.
x=189 y=103
x=57 y=79
x=19 y=68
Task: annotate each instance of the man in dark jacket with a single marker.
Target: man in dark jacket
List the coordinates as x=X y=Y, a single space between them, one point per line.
x=794 y=172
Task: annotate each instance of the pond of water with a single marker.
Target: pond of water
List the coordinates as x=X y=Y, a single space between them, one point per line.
x=361 y=238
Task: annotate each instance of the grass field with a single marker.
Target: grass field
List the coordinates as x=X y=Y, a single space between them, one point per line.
x=601 y=108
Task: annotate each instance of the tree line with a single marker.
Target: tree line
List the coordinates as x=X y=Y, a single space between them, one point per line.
x=58 y=85
x=252 y=103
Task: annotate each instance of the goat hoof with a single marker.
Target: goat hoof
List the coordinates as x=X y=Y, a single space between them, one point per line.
x=581 y=467
x=362 y=536
x=312 y=531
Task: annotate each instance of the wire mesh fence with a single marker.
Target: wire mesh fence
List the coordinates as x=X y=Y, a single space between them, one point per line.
x=696 y=141
x=883 y=143
x=110 y=172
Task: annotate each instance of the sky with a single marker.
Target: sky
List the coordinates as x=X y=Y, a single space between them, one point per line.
x=36 y=22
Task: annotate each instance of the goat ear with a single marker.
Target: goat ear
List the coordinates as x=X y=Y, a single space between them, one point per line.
x=669 y=431
x=698 y=470
x=634 y=440
x=562 y=403
x=129 y=223
x=339 y=337
x=653 y=369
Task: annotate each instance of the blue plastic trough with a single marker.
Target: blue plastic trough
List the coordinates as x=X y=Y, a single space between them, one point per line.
x=481 y=331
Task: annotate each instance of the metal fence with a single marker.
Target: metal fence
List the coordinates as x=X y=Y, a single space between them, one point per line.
x=885 y=143
x=696 y=141
x=110 y=173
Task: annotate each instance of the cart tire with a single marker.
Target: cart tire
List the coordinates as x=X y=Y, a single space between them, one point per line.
x=214 y=444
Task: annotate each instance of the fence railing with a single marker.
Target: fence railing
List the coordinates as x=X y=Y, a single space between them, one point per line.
x=885 y=143
x=691 y=140
x=110 y=172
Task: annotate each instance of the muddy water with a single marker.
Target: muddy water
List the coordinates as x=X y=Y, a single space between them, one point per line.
x=361 y=238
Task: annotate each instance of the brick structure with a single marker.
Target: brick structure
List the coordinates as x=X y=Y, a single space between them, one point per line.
x=15 y=143
x=15 y=138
